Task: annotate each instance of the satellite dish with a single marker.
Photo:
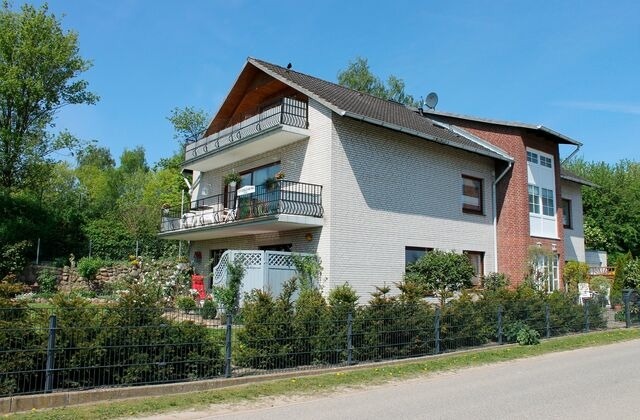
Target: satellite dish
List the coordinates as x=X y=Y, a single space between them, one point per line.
x=432 y=100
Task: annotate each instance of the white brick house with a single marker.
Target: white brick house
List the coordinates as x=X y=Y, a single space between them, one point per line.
x=368 y=184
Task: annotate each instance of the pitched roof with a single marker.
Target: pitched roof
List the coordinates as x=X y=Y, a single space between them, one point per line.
x=350 y=103
x=560 y=138
x=570 y=176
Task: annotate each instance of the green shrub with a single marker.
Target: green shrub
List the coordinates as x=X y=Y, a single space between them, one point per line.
x=528 y=337
x=511 y=330
x=575 y=272
x=88 y=267
x=209 y=309
x=13 y=257
x=313 y=337
x=47 y=281
x=441 y=273
x=495 y=281
x=267 y=341
x=229 y=295
x=186 y=304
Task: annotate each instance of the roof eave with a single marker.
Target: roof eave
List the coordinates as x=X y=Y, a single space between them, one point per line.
x=416 y=133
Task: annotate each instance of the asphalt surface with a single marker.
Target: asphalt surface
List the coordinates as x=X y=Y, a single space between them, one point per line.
x=592 y=383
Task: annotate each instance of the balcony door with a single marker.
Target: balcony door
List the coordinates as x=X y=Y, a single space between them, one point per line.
x=263 y=200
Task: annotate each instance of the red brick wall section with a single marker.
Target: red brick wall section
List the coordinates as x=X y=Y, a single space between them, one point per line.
x=512 y=200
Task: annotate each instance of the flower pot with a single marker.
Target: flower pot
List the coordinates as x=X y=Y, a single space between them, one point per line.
x=233 y=184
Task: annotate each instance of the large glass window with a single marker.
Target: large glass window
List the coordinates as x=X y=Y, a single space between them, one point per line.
x=471 y=194
x=259 y=176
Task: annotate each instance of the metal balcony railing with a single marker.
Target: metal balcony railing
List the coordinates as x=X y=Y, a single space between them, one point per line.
x=276 y=197
x=289 y=112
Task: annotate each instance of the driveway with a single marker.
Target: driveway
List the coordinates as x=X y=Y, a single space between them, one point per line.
x=593 y=383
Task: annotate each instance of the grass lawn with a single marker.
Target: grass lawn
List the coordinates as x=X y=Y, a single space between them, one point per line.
x=370 y=375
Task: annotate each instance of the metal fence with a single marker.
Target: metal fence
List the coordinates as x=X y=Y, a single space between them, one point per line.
x=69 y=347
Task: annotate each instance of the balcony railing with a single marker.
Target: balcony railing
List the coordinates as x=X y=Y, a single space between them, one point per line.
x=277 y=197
x=289 y=112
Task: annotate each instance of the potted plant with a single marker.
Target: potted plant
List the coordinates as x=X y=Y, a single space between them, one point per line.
x=232 y=179
x=271 y=184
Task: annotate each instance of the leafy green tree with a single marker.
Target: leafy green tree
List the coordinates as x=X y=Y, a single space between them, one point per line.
x=441 y=273
x=96 y=156
x=188 y=122
x=39 y=69
x=612 y=209
x=358 y=76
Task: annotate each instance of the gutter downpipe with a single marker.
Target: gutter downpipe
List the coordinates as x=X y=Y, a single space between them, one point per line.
x=494 y=209
x=572 y=154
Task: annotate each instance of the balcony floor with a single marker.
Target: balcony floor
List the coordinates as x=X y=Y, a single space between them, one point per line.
x=254 y=226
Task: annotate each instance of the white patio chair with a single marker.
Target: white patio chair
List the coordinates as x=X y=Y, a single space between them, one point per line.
x=584 y=292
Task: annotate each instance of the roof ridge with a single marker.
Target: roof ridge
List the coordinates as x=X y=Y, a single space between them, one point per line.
x=330 y=82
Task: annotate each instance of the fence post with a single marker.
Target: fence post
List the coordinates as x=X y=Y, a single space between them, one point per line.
x=586 y=316
x=349 y=339
x=499 y=324
x=437 y=330
x=627 y=307
x=547 y=320
x=51 y=353
x=227 y=358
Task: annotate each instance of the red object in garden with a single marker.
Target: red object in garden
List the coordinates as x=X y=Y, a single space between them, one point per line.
x=197 y=283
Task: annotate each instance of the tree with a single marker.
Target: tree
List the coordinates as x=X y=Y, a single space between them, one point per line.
x=612 y=209
x=39 y=69
x=188 y=122
x=358 y=76
x=441 y=273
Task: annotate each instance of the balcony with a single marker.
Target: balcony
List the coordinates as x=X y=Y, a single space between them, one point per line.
x=279 y=125
x=283 y=205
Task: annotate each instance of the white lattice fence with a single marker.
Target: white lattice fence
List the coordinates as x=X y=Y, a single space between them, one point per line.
x=265 y=270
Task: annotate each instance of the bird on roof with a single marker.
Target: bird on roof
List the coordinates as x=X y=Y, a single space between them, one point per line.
x=289 y=66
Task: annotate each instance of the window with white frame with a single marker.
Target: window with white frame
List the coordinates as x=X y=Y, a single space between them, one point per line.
x=547 y=272
x=541 y=188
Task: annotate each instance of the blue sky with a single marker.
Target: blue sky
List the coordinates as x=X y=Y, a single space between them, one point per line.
x=570 y=65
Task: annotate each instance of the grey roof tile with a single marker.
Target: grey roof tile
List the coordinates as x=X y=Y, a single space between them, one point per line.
x=351 y=103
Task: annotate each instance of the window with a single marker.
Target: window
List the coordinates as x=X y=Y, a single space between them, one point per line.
x=257 y=176
x=534 y=199
x=471 y=195
x=548 y=209
x=477 y=261
x=566 y=213
x=545 y=161
x=414 y=253
x=541 y=180
x=547 y=273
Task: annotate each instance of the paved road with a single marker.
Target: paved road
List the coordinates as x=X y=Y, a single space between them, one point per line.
x=594 y=383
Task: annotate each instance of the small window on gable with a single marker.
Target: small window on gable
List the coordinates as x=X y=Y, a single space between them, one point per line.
x=545 y=161
x=532 y=157
x=566 y=213
x=471 y=195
